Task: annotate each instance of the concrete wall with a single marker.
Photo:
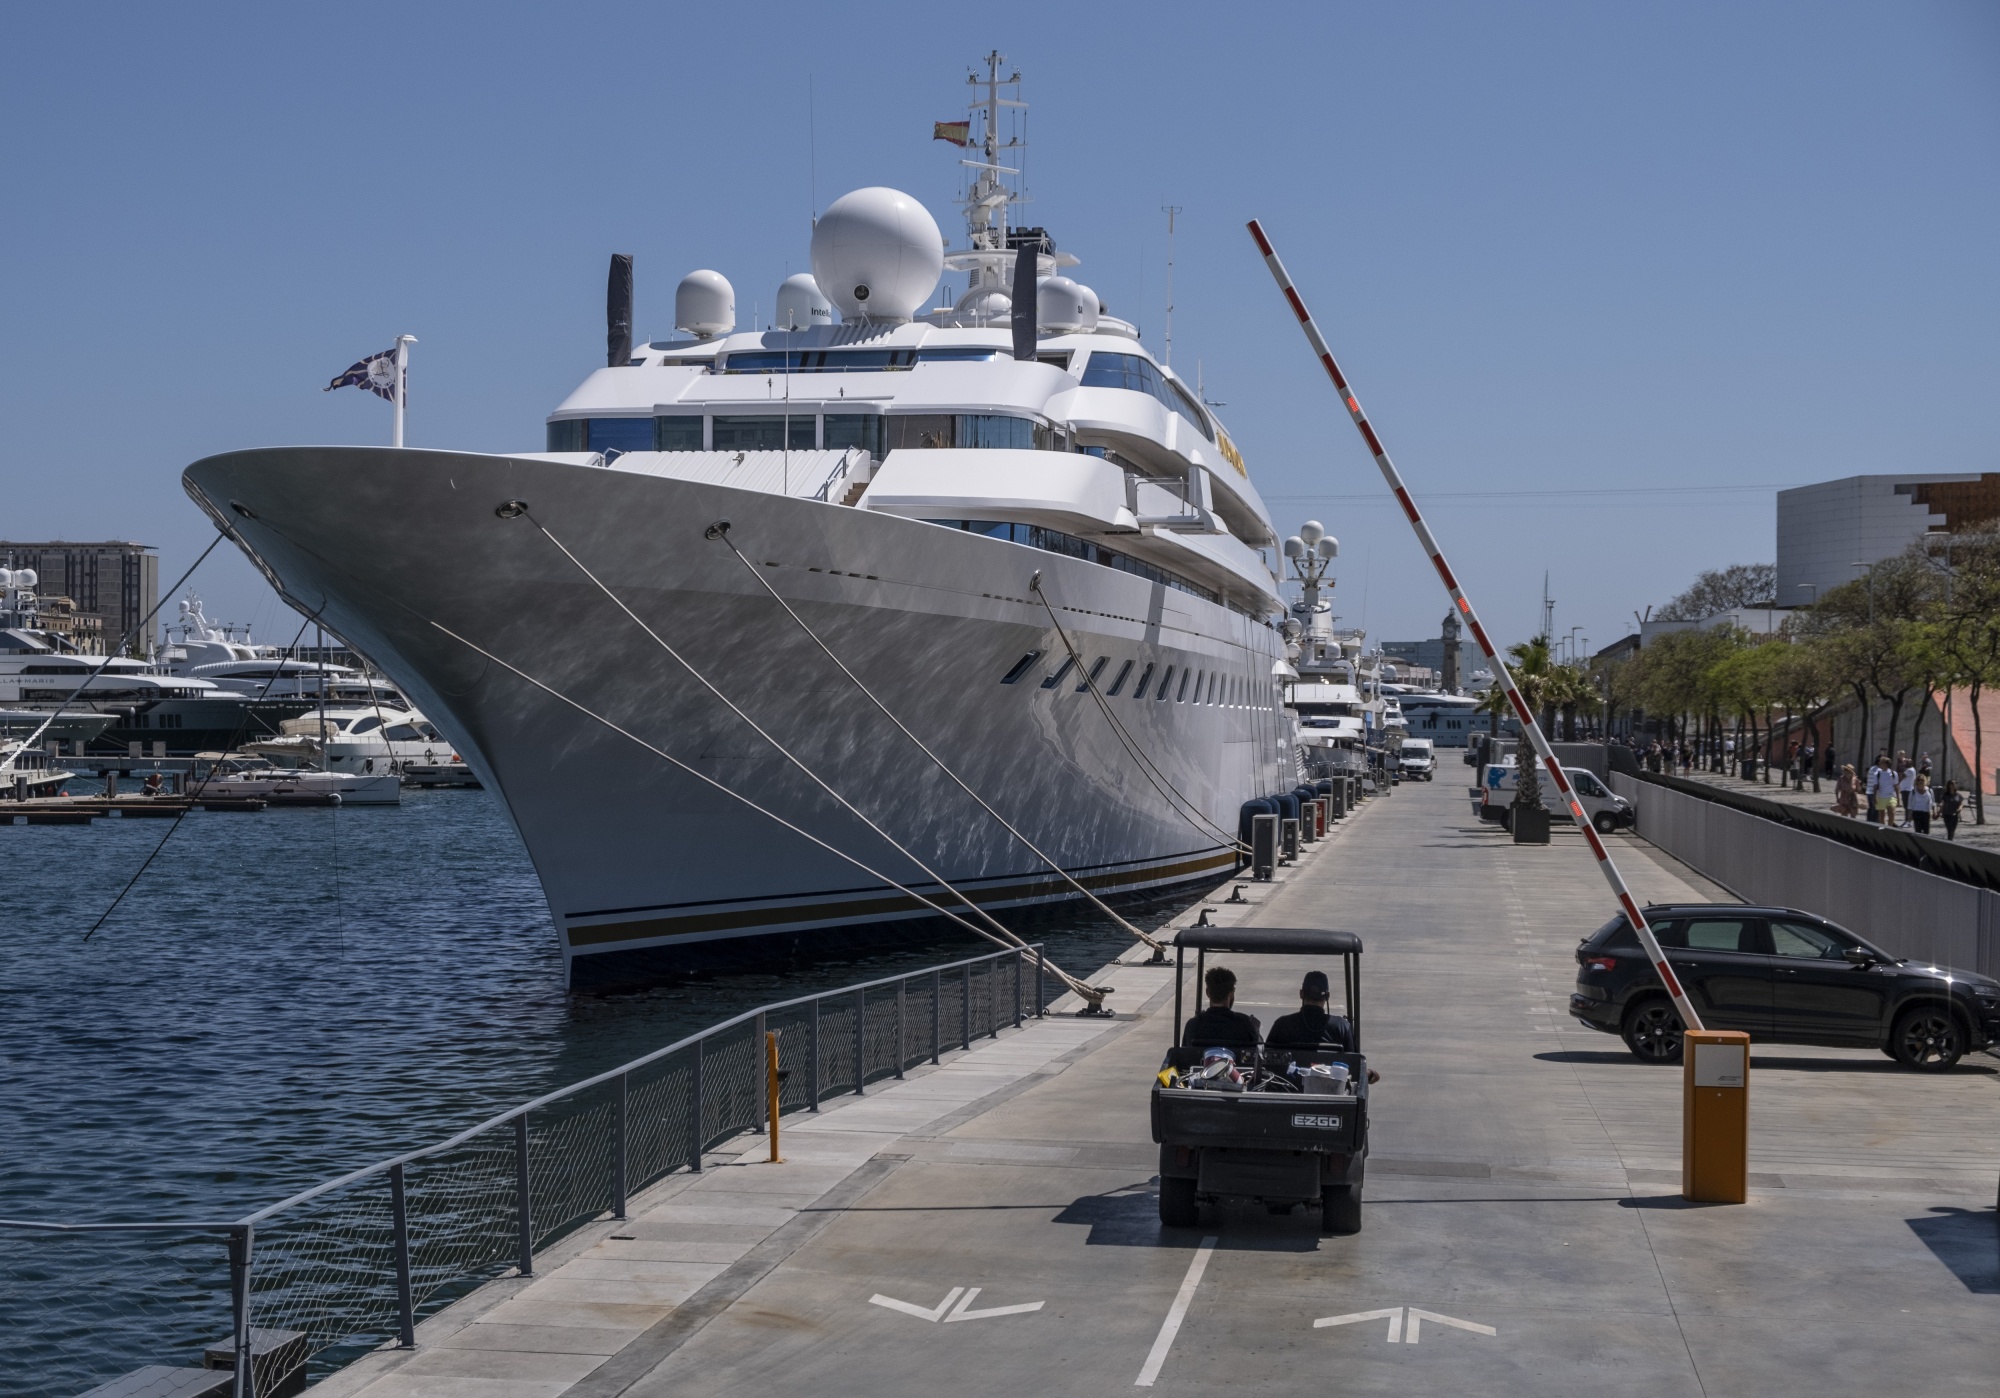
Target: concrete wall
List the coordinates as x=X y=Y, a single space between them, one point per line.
x=1902 y=910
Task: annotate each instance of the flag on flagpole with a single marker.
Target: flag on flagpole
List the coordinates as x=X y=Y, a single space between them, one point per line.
x=959 y=133
x=376 y=373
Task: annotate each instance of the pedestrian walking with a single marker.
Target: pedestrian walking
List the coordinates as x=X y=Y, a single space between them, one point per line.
x=1844 y=793
x=1906 y=781
x=1920 y=802
x=1950 y=802
x=1881 y=790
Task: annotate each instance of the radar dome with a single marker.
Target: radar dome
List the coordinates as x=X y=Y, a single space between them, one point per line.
x=800 y=305
x=985 y=307
x=877 y=254
x=1064 y=307
x=1311 y=531
x=705 y=305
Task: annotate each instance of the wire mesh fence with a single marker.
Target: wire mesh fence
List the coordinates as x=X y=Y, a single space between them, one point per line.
x=298 y=1289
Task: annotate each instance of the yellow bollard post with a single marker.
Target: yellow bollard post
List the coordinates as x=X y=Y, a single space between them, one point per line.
x=771 y=1090
x=1715 y=1116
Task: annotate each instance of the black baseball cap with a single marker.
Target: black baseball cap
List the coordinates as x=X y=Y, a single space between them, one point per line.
x=1314 y=987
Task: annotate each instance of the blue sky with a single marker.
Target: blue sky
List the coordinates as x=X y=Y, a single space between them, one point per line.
x=1651 y=261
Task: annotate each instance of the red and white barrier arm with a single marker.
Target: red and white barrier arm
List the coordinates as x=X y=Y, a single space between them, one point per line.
x=1529 y=726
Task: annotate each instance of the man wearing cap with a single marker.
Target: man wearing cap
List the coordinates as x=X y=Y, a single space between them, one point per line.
x=1312 y=1025
x=1220 y=1026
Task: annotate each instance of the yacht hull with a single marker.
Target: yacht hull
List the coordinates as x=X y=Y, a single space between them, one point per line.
x=404 y=556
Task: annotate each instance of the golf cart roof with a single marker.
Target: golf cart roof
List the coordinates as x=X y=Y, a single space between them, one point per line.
x=1281 y=941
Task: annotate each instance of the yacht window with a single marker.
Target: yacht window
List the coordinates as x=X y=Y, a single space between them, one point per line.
x=1181 y=698
x=920 y=430
x=619 y=434
x=1145 y=677
x=1021 y=667
x=992 y=430
x=1095 y=671
x=1119 y=683
x=1057 y=678
x=962 y=354
x=403 y=733
x=764 y=432
x=1138 y=374
x=676 y=434
x=1166 y=683
x=1055 y=541
x=1213 y=681
x=864 y=430
x=367 y=725
x=1059 y=358
x=570 y=434
x=809 y=361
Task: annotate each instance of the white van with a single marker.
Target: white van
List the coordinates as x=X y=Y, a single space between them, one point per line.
x=1417 y=759
x=1607 y=810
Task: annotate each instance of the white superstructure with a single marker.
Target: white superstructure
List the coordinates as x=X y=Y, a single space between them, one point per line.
x=927 y=488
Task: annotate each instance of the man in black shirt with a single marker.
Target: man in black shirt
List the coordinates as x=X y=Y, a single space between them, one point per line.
x=1312 y=1025
x=1219 y=1026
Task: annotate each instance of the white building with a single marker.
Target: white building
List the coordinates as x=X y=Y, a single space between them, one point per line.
x=1824 y=530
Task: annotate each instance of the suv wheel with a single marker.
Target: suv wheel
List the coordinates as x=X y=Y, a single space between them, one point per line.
x=1652 y=1030
x=1928 y=1038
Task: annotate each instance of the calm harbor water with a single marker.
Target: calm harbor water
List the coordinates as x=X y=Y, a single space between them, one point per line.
x=287 y=996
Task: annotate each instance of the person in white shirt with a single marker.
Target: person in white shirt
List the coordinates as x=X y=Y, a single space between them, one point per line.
x=1921 y=801
x=1881 y=790
x=1906 y=782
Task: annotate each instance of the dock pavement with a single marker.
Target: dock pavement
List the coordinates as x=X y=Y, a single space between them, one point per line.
x=989 y=1226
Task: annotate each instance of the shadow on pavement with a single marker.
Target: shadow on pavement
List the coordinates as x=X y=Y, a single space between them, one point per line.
x=1130 y=1218
x=1669 y=1202
x=1965 y=1240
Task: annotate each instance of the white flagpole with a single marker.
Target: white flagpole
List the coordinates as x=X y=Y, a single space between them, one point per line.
x=403 y=343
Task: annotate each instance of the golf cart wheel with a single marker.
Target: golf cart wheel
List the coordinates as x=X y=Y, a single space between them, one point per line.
x=1652 y=1030
x=1605 y=822
x=1928 y=1038
x=1340 y=1209
x=1178 y=1205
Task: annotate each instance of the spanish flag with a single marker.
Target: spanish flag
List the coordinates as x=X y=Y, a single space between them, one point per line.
x=959 y=133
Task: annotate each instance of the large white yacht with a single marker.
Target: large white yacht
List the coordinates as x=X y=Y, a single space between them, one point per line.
x=932 y=484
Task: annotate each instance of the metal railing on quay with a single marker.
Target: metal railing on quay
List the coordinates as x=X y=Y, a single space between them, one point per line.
x=355 y=1263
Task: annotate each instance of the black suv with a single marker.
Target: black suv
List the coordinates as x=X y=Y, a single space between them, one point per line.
x=1783 y=977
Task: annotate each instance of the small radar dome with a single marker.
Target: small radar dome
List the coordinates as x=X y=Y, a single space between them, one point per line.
x=26 y=577
x=984 y=307
x=1328 y=546
x=1295 y=547
x=800 y=305
x=877 y=254
x=705 y=305
x=1311 y=531
x=1064 y=307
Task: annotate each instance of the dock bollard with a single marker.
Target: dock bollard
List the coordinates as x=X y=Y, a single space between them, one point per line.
x=1263 y=847
x=1715 y=1116
x=771 y=1089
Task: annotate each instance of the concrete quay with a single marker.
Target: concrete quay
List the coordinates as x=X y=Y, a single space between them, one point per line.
x=1523 y=1231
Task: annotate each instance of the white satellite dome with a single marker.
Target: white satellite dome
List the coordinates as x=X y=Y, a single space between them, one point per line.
x=877 y=254
x=1063 y=307
x=18 y=577
x=705 y=305
x=985 y=306
x=800 y=305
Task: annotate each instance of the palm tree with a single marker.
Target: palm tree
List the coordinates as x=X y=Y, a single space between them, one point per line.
x=1533 y=671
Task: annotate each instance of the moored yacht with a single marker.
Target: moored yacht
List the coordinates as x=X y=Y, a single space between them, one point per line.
x=1017 y=526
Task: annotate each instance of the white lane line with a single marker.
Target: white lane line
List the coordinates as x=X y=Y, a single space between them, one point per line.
x=1176 y=1313
x=1417 y=1318
x=920 y=1312
x=1394 y=1315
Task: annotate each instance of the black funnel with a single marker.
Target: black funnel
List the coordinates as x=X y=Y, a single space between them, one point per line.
x=618 y=312
x=1026 y=265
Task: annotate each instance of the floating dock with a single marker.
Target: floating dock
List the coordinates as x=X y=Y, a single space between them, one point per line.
x=989 y=1226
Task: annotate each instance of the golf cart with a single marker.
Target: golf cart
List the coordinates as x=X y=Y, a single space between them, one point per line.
x=1278 y=1126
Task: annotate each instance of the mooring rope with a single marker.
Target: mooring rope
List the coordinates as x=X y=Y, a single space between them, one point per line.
x=760 y=731
x=1146 y=767
x=720 y=530
x=1093 y=995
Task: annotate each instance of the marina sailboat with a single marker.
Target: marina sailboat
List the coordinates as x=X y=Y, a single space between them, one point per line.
x=670 y=640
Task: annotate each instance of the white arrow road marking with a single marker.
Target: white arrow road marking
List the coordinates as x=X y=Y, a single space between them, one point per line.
x=1176 y=1313
x=1417 y=1318
x=1394 y=1313
x=962 y=1313
x=918 y=1311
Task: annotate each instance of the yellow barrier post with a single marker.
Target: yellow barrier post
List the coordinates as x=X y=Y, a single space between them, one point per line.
x=1715 y=1116
x=771 y=1090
